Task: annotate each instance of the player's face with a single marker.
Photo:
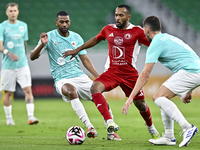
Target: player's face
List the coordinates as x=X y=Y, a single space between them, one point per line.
x=63 y=23
x=146 y=32
x=12 y=13
x=121 y=17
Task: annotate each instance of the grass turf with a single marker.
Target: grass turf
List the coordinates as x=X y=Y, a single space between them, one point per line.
x=56 y=116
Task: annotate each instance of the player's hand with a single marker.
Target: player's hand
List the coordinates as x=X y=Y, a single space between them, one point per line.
x=187 y=98
x=12 y=56
x=44 y=38
x=127 y=105
x=73 y=53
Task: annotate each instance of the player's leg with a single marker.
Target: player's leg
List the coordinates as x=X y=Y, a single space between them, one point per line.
x=66 y=88
x=179 y=84
x=141 y=105
x=8 y=83
x=24 y=80
x=105 y=82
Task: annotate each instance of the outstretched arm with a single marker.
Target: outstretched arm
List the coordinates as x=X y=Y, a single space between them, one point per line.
x=90 y=43
x=35 y=53
x=88 y=65
x=141 y=81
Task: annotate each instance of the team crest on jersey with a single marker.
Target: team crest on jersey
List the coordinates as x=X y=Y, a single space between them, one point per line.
x=73 y=43
x=118 y=40
x=21 y=28
x=127 y=36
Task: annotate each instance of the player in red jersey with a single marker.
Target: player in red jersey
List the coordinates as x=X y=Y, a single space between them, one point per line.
x=124 y=43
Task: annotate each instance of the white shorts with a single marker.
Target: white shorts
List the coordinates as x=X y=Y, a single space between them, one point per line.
x=82 y=85
x=182 y=82
x=9 y=78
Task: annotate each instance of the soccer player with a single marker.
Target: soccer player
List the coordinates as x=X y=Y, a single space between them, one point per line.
x=124 y=43
x=70 y=81
x=13 y=37
x=183 y=61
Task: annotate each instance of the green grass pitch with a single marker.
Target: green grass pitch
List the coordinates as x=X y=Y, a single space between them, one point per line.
x=56 y=116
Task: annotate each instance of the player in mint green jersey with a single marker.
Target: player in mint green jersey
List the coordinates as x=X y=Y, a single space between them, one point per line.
x=176 y=55
x=13 y=45
x=70 y=81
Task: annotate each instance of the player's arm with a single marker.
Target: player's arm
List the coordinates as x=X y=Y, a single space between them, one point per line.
x=12 y=56
x=141 y=81
x=26 y=46
x=88 y=65
x=35 y=53
x=90 y=43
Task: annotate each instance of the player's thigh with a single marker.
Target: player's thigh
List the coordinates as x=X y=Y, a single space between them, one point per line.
x=109 y=80
x=163 y=91
x=8 y=80
x=179 y=84
x=24 y=77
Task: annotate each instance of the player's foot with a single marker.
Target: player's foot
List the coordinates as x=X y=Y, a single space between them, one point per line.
x=154 y=133
x=112 y=127
x=113 y=136
x=188 y=135
x=32 y=120
x=10 y=121
x=92 y=133
x=163 y=141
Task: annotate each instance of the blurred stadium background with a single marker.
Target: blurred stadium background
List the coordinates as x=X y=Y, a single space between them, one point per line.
x=178 y=17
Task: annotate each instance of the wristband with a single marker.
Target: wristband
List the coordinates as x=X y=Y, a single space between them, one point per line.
x=5 y=51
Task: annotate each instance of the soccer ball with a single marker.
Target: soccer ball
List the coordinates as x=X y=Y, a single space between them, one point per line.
x=75 y=135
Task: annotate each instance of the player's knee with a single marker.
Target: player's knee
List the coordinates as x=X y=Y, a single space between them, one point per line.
x=97 y=87
x=72 y=94
x=141 y=105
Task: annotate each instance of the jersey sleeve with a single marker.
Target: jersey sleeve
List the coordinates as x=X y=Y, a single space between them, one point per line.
x=102 y=34
x=26 y=33
x=153 y=53
x=142 y=38
x=81 y=42
x=1 y=32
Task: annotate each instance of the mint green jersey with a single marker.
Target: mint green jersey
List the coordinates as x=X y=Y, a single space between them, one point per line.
x=63 y=68
x=13 y=37
x=172 y=53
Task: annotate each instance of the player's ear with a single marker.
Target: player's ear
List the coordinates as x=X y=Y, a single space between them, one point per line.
x=56 y=22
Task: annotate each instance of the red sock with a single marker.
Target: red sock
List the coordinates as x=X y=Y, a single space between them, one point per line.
x=101 y=105
x=147 y=116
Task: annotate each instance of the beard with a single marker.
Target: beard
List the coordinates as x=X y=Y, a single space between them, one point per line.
x=149 y=39
x=121 y=25
x=63 y=30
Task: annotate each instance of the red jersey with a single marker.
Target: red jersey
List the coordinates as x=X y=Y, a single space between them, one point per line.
x=124 y=46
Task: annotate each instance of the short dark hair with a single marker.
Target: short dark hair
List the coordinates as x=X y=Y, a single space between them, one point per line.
x=128 y=8
x=11 y=4
x=153 y=23
x=62 y=13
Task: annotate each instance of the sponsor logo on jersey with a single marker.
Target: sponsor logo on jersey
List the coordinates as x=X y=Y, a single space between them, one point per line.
x=127 y=36
x=118 y=52
x=111 y=35
x=10 y=44
x=56 y=43
x=118 y=40
x=61 y=61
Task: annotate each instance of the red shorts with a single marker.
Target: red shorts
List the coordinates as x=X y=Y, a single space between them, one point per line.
x=111 y=79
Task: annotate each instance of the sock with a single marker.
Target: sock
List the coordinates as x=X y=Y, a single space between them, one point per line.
x=168 y=125
x=147 y=116
x=110 y=111
x=172 y=111
x=81 y=113
x=8 y=111
x=30 y=109
x=101 y=105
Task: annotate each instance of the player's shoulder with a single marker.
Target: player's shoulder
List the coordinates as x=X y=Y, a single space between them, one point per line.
x=22 y=23
x=4 y=23
x=74 y=34
x=135 y=27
